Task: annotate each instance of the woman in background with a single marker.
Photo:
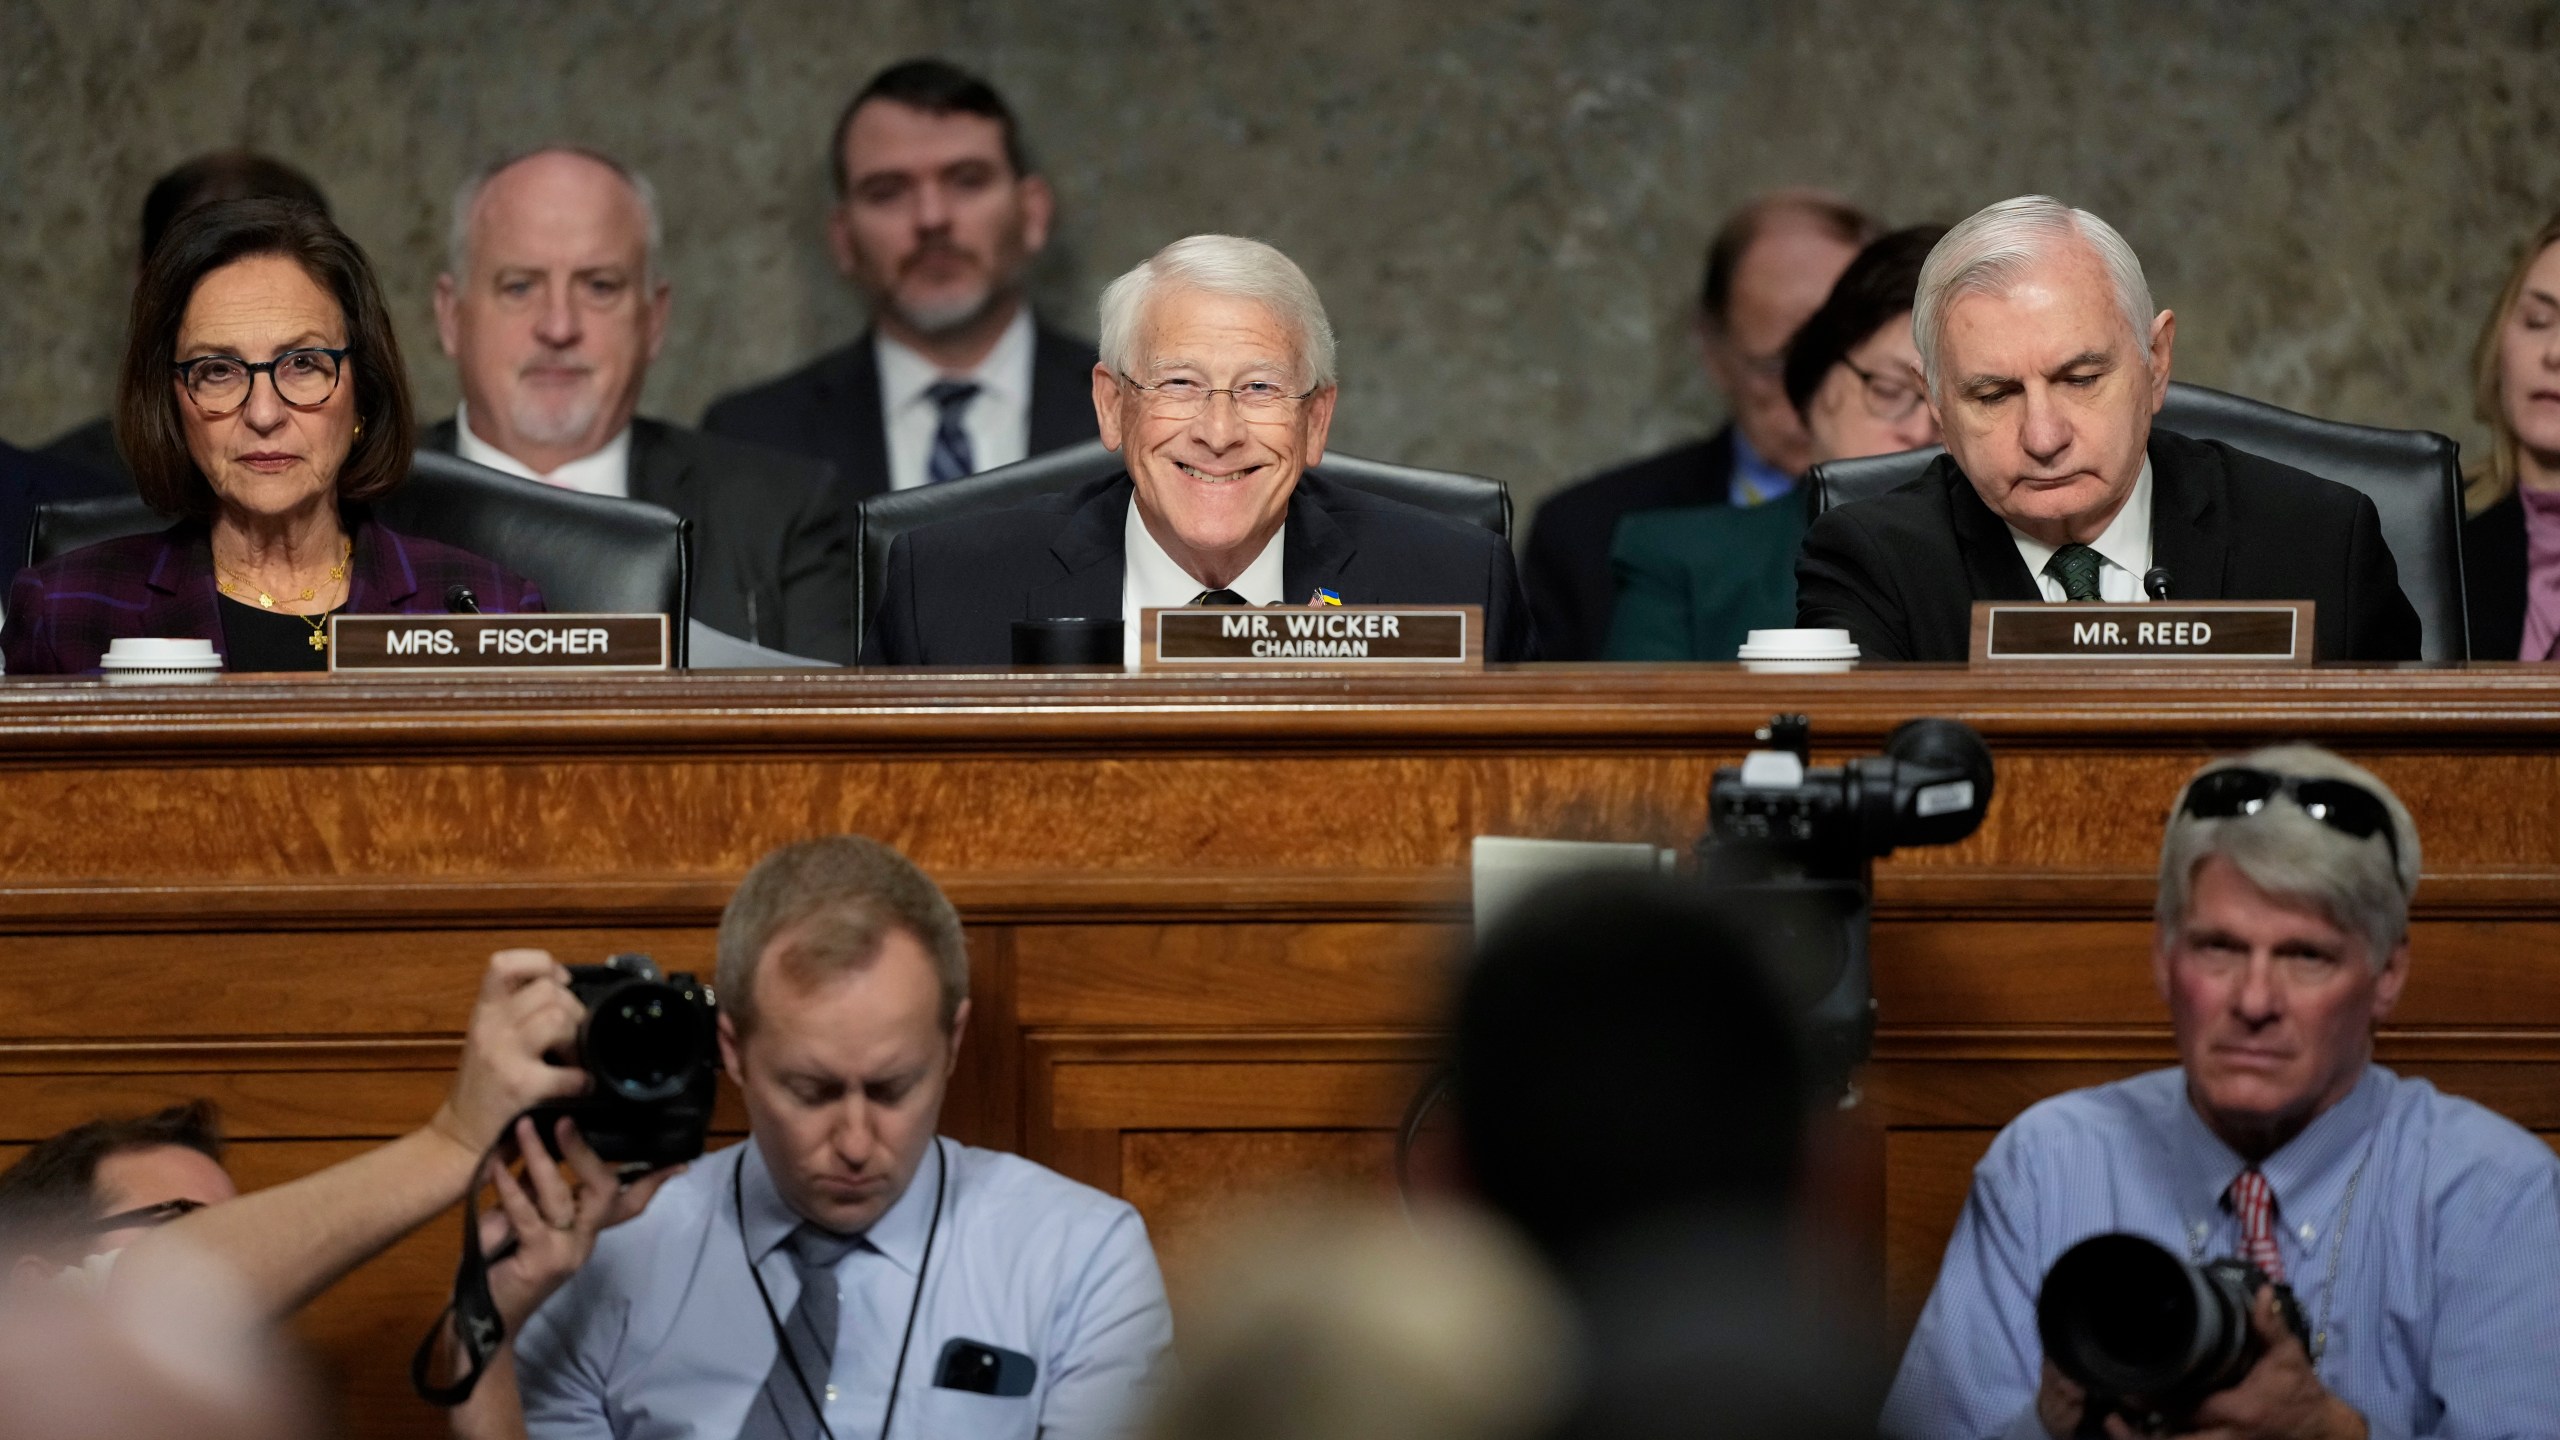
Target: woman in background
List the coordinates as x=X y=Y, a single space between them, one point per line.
x=263 y=402
x=2511 y=542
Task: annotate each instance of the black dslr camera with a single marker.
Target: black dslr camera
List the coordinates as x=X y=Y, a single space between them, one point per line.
x=2148 y=1335
x=653 y=1048
x=1791 y=847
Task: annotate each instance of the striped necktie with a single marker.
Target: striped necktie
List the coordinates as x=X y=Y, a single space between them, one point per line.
x=952 y=456
x=782 y=1409
x=2254 y=1202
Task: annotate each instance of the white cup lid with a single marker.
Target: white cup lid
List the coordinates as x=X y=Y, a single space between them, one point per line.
x=1826 y=644
x=140 y=652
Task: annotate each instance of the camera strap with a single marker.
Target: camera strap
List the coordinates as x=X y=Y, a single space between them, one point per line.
x=477 y=1328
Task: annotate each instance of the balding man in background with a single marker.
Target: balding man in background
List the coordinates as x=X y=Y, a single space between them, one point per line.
x=1769 y=268
x=552 y=307
x=2045 y=364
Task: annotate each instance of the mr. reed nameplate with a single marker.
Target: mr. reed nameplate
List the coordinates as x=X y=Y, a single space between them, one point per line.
x=1325 y=637
x=461 y=644
x=2253 y=632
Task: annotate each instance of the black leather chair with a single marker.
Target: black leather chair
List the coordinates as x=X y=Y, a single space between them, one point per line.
x=587 y=552
x=2414 y=478
x=883 y=518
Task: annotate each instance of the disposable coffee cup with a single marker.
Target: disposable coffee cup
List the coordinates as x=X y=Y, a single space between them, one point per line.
x=1066 y=644
x=149 y=659
x=1798 y=652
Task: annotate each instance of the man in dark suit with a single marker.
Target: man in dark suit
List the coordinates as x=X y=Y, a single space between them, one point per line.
x=28 y=480
x=2045 y=365
x=1218 y=391
x=1769 y=267
x=938 y=213
x=552 y=308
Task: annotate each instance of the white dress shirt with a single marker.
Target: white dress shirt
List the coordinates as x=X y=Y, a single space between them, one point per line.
x=1148 y=576
x=2125 y=546
x=998 y=417
x=604 y=472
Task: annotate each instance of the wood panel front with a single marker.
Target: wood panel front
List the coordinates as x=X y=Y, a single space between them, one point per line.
x=1212 y=918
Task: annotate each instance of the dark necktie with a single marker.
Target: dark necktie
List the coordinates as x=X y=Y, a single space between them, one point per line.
x=1218 y=597
x=781 y=1410
x=2254 y=1202
x=2076 y=566
x=951 y=456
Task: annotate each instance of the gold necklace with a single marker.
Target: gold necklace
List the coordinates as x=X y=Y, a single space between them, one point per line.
x=243 y=590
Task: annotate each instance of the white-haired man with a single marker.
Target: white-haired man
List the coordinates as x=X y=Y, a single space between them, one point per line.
x=1216 y=386
x=2045 y=365
x=2420 y=1232
x=552 y=306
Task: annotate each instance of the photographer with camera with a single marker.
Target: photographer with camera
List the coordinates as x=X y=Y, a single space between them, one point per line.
x=848 y=1272
x=2397 y=1249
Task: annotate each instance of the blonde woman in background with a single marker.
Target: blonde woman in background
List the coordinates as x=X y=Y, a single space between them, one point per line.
x=2511 y=540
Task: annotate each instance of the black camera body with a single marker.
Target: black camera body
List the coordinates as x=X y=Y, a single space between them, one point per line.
x=652 y=1047
x=1790 y=848
x=2149 y=1335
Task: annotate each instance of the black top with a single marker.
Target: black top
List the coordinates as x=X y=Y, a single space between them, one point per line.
x=2493 y=579
x=1900 y=572
x=254 y=639
x=1566 y=565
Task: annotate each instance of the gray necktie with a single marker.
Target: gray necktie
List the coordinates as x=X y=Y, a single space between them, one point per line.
x=781 y=1410
x=951 y=457
x=2076 y=566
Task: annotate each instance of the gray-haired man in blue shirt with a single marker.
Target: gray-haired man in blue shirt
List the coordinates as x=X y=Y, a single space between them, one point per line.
x=849 y=1273
x=2419 y=1231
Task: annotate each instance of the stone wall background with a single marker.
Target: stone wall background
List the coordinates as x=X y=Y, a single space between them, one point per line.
x=1504 y=204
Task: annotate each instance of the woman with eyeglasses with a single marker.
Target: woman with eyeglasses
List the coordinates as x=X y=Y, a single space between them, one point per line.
x=2511 y=542
x=1853 y=373
x=262 y=403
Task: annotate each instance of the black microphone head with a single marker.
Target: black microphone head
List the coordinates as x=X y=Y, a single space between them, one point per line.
x=458 y=600
x=2155 y=582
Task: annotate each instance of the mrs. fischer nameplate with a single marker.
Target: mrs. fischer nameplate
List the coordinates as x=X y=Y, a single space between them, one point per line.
x=462 y=644
x=1281 y=637
x=2253 y=632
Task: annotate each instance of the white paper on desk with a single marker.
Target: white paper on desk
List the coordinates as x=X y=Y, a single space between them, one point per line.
x=709 y=649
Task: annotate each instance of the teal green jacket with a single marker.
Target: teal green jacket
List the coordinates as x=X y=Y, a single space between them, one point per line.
x=1695 y=581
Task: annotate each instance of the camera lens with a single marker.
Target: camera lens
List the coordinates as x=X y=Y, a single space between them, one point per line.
x=644 y=1040
x=2122 y=1316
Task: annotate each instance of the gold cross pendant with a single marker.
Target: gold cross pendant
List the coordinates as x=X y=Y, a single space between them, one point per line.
x=319 y=641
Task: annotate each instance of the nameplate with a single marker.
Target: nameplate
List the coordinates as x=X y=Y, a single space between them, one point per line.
x=2256 y=632
x=1322 y=637
x=460 y=644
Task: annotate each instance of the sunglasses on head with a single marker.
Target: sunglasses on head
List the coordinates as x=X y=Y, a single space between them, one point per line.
x=160 y=1214
x=2342 y=805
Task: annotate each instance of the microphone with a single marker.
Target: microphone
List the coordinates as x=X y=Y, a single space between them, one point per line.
x=458 y=599
x=2155 y=583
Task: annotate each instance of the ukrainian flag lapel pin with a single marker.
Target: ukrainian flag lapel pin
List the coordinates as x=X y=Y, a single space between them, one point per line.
x=1324 y=597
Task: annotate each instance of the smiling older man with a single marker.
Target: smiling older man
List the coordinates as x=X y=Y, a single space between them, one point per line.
x=2420 y=1231
x=1217 y=388
x=2045 y=366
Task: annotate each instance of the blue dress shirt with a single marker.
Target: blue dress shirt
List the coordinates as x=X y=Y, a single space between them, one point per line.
x=1754 y=480
x=2446 y=1316
x=662 y=1333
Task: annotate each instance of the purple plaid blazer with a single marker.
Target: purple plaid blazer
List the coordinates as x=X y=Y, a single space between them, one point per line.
x=63 y=612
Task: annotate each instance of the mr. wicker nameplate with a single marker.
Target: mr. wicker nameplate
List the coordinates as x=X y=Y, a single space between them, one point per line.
x=1283 y=637
x=2254 y=632
x=462 y=644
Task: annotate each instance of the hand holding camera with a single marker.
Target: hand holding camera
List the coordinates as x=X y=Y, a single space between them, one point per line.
x=525 y=1014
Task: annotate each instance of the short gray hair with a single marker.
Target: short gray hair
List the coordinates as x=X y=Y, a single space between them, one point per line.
x=1220 y=265
x=466 y=198
x=2285 y=852
x=1990 y=250
x=838 y=897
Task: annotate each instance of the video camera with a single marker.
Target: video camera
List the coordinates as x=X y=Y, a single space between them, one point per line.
x=653 y=1047
x=2148 y=1335
x=1791 y=847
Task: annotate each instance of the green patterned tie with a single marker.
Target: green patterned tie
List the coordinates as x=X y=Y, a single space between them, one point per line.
x=2076 y=566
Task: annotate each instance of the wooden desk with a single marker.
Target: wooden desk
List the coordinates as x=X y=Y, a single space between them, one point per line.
x=1208 y=916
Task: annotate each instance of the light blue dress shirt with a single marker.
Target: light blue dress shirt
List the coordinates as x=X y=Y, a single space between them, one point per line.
x=1755 y=481
x=2445 y=1320
x=662 y=1334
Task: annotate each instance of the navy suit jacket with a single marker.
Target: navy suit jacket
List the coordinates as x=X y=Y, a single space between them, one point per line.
x=955 y=589
x=829 y=409
x=1900 y=572
x=1572 y=591
x=28 y=480
x=63 y=613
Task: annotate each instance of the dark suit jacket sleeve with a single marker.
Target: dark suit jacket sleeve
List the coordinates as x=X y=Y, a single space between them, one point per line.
x=2383 y=625
x=1509 y=630
x=894 y=639
x=817 y=580
x=26 y=646
x=1843 y=581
